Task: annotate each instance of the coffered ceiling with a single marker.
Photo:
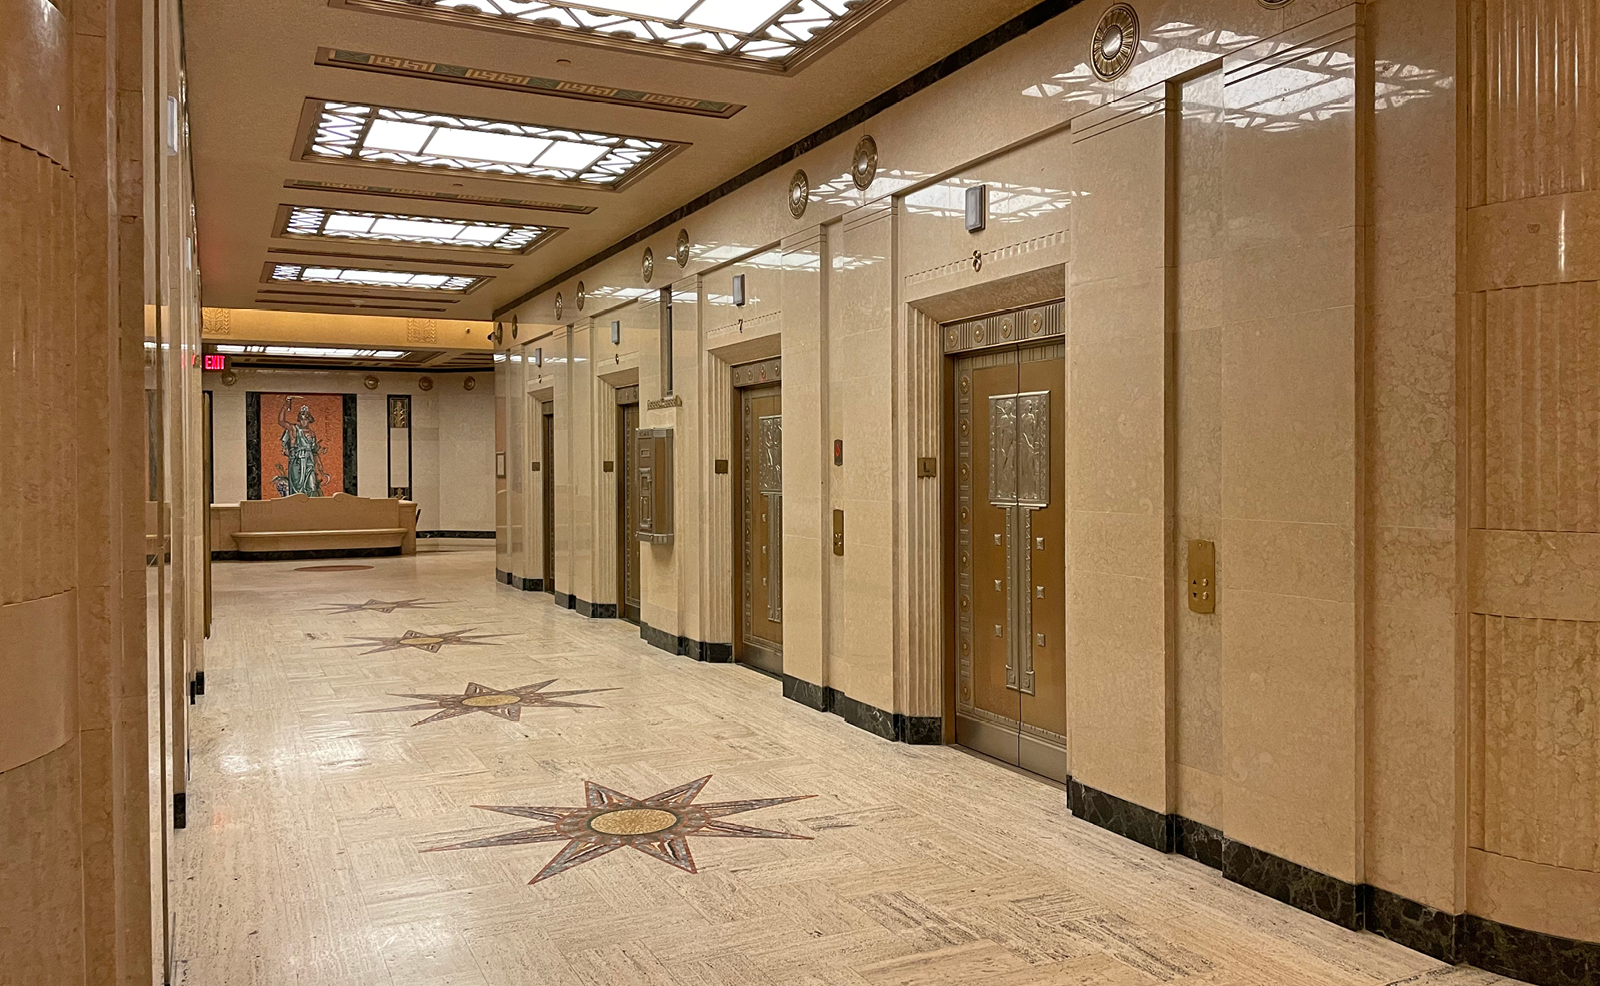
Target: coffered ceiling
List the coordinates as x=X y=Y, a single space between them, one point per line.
x=439 y=158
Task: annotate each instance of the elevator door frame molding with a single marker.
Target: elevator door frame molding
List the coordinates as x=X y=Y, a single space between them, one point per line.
x=547 y=487
x=1032 y=573
x=758 y=512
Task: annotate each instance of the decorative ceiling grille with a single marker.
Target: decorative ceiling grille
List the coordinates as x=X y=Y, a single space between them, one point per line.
x=389 y=227
x=769 y=34
x=403 y=138
x=306 y=274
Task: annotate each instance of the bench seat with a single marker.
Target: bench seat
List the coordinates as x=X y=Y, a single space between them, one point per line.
x=301 y=526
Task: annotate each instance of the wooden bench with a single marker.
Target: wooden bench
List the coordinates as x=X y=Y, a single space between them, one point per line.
x=304 y=527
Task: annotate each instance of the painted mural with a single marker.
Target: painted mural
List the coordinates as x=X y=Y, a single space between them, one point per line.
x=301 y=444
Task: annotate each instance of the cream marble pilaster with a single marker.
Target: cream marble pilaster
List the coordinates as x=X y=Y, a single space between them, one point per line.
x=505 y=546
x=1119 y=487
x=557 y=353
x=583 y=468
x=862 y=662
x=807 y=458
x=1291 y=600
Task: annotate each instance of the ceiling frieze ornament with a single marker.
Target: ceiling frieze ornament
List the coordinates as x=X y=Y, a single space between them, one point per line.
x=648 y=267
x=1116 y=42
x=864 y=166
x=799 y=194
x=583 y=296
x=681 y=254
x=216 y=321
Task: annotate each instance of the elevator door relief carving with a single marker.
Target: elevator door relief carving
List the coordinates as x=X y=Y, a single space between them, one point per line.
x=1010 y=562
x=769 y=471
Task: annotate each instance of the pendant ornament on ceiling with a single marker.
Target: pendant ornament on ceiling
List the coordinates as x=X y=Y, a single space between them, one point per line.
x=1116 y=42
x=648 y=268
x=799 y=194
x=864 y=167
x=681 y=254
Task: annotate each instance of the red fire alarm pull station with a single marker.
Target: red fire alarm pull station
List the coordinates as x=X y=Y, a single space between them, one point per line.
x=216 y=362
x=838 y=451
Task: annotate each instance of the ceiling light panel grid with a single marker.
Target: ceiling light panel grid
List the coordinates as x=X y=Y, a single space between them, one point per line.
x=417 y=139
x=388 y=227
x=770 y=34
x=352 y=276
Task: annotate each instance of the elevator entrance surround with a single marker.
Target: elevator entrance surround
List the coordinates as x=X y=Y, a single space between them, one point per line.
x=759 y=523
x=1009 y=418
x=628 y=503
x=547 y=486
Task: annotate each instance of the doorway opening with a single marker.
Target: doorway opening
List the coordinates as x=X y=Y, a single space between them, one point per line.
x=1008 y=526
x=628 y=504
x=758 y=635
x=547 y=485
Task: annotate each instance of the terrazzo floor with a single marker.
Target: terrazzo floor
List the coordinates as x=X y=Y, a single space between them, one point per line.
x=682 y=823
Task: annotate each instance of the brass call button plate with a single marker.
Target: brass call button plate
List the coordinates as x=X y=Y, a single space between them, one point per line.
x=1202 y=576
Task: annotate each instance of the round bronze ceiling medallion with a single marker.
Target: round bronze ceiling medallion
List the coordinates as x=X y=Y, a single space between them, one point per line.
x=425 y=383
x=1116 y=42
x=648 y=268
x=561 y=304
x=370 y=382
x=799 y=194
x=682 y=253
x=864 y=167
x=229 y=378
x=1275 y=4
x=582 y=296
x=471 y=383
x=513 y=327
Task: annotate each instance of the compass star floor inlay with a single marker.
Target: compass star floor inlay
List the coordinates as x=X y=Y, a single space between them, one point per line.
x=374 y=606
x=507 y=703
x=430 y=642
x=659 y=826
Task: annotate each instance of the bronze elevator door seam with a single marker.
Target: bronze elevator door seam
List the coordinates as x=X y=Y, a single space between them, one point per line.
x=547 y=482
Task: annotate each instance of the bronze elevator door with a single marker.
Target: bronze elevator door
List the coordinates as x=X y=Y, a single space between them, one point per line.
x=760 y=616
x=547 y=484
x=628 y=512
x=1010 y=421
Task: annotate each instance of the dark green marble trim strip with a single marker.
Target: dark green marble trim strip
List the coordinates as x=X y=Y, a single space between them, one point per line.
x=950 y=64
x=893 y=726
x=460 y=535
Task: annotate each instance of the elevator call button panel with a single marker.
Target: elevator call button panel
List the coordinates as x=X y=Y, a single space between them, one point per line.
x=654 y=485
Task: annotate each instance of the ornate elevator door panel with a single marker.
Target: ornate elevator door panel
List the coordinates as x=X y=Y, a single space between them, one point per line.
x=1010 y=581
x=547 y=484
x=628 y=511
x=761 y=528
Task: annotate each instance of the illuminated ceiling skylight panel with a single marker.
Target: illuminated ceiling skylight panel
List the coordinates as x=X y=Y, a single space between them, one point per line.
x=414 y=138
x=752 y=30
x=410 y=229
x=482 y=235
x=350 y=276
x=313 y=352
x=424 y=230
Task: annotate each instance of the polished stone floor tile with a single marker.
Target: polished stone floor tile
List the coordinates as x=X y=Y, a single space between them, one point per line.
x=681 y=822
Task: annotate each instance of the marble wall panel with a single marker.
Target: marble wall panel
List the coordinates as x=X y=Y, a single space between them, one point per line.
x=1120 y=597
x=808 y=456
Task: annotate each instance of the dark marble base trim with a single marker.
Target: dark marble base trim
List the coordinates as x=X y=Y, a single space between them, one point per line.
x=319 y=553
x=459 y=535
x=504 y=578
x=893 y=726
x=216 y=556
x=596 y=611
x=180 y=810
x=699 y=650
x=566 y=600
x=1531 y=956
x=1129 y=820
x=529 y=585
x=199 y=682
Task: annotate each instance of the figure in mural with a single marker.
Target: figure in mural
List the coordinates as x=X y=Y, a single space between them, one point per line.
x=302 y=452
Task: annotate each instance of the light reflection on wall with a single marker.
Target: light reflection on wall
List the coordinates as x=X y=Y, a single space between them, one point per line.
x=1007 y=203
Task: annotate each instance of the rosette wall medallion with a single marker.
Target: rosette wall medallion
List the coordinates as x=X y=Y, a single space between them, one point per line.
x=1116 y=42
x=864 y=166
x=561 y=305
x=425 y=383
x=370 y=382
x=681 y=254
x=514 y=327
x=1275 y=4
x=648 y=268
x=582 y=297
x=799 y=194
x=471 y=383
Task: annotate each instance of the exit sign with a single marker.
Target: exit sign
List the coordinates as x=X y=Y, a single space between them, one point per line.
x=216 y=362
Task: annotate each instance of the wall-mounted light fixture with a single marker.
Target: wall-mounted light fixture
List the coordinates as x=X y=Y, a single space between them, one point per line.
x=738 y=290
x=977 y=208
x=172 y=126
x=538 y=356
x=616 y=333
